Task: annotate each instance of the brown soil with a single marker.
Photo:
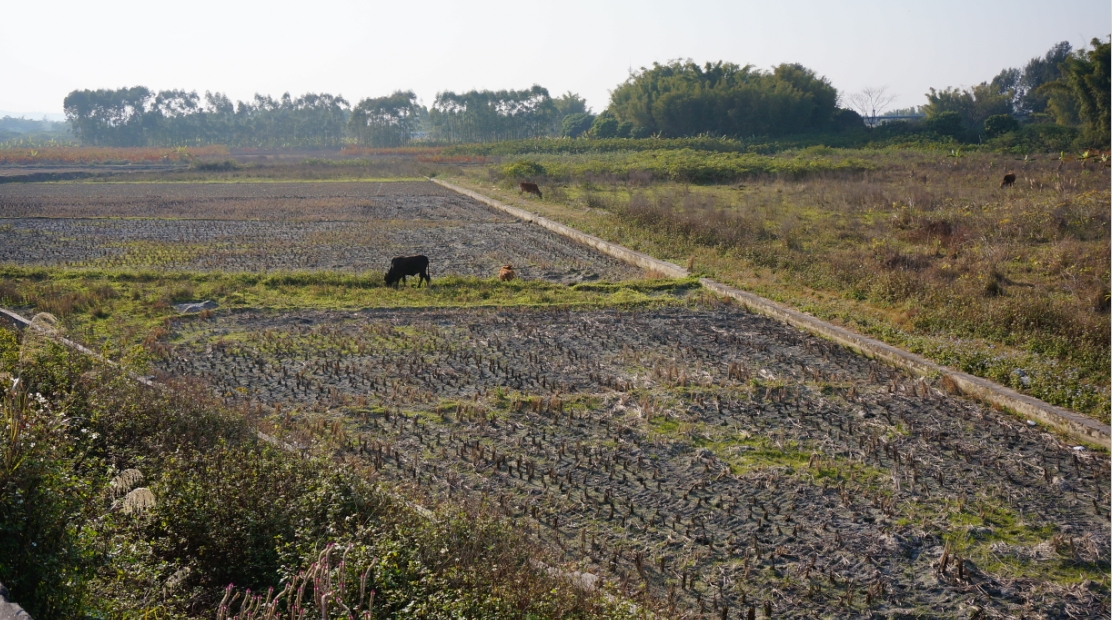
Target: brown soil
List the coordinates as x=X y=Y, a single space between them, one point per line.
x=705 y=457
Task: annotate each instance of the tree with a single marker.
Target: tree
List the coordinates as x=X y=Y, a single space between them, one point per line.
x=485 y=116
x=386 y=121
x=973 y=106
x=871 y=102
x=725 y=99
x=575 y=125
x=1027 y=98
x=108 y=117
x=1084 y=89
x=1000 y=124
x=605 y=126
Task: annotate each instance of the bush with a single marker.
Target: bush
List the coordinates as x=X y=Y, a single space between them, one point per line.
x=523 y=169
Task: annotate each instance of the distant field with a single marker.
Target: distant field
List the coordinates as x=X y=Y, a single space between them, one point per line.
x=344 y=227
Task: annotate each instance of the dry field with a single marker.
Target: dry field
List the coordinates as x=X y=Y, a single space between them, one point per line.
x=703 y=456
x=708 y=461
x=268 y=227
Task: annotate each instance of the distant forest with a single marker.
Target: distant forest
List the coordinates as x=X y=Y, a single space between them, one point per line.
x=1058 y=98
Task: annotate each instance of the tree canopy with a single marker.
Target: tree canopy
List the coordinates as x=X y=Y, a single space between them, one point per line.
x=683 y=99
x=386 y=121
x=138 y=116
x=488 y=116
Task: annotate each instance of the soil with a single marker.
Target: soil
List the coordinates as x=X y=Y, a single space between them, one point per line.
x=701 y=456
x=263 y=227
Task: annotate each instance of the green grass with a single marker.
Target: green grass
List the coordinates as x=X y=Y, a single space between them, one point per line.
x=120 y=309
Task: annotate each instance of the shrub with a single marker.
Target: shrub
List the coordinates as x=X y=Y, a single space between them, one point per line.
x=523 y=169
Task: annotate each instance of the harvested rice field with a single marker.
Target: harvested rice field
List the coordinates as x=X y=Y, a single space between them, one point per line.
x=698 y=455
x=280 y=227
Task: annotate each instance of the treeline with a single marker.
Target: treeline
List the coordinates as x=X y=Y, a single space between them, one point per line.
x=1055 y=101
x=139 y=116
x=14 y=130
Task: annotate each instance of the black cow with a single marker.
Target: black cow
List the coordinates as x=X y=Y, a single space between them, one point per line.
x=402 y=266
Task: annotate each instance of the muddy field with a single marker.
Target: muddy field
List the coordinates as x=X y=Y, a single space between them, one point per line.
x=705 y=457
x=265 y=227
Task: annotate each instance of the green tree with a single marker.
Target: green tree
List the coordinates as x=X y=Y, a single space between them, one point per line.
x=487 y=116
x=575 y=125
x=1084 y=90
x=1000 y=124
x=605 y=126
x=386 y=121
x=973 y=105
x=684 y=99
x=1027 y=97
x=108 y=117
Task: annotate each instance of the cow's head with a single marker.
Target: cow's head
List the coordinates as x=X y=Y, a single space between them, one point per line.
x=392 y=277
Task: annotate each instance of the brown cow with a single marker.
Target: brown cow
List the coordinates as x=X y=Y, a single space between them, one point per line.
x=530 y=188
x=506 y=273
x=1009 y=180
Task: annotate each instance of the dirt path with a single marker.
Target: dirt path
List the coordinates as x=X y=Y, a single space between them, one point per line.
x=699 y=455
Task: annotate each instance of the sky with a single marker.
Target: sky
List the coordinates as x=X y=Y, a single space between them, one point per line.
x=368 y=48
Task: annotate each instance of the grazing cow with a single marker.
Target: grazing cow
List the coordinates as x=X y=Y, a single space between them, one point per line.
x=506 y=273
x=530 y=188
x=1009 y=180
x=402 y=266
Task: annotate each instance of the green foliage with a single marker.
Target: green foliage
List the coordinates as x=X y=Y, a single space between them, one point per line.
x=44 y=555
x=226 y=165
x=223 y=508
x=1000 y=124
x=945 y=123
x=1028 y=98
x=575 y=125
x=523 y=169
x=487 y=116
x=972 y=106
x=139 y=117
x=386 y=121
x=684 y=99
x=1085 y=78
x=605 y=126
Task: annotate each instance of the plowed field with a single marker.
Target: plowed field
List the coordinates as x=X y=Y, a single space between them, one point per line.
x=702 y=455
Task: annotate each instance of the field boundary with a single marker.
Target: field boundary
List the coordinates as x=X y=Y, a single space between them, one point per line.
x=991 y=393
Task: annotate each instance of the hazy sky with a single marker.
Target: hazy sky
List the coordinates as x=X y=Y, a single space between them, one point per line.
x=367 y=48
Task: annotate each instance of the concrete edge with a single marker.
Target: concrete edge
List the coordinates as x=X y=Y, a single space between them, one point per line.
x=993 y=394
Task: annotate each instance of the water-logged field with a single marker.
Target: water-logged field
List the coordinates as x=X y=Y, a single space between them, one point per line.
x=267 y=227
